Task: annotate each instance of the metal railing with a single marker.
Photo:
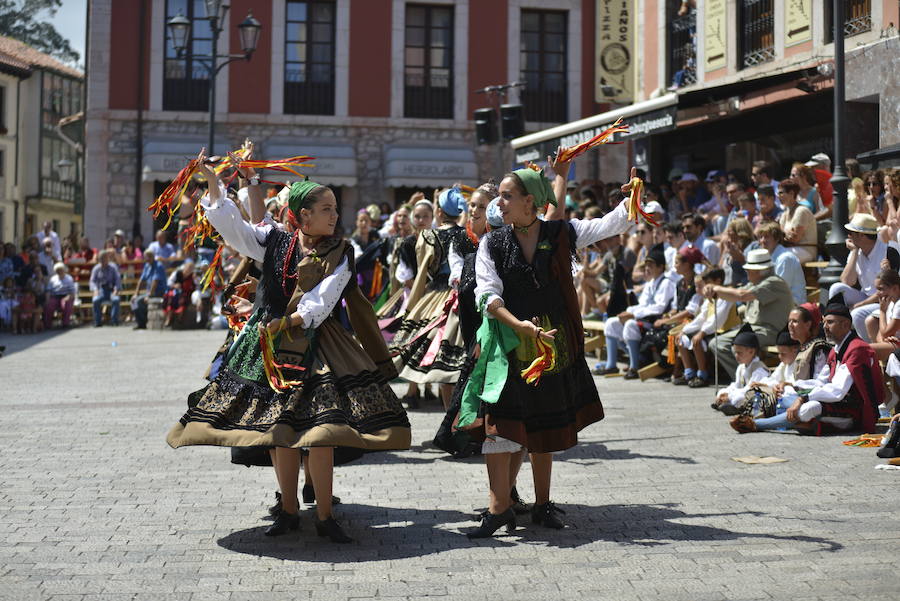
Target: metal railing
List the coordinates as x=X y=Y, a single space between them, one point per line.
x=757 y=29
x=683 y=49
x=857 y=18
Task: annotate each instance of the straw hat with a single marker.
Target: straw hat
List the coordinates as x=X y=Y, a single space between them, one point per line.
x=863 y=223
x=758 y=258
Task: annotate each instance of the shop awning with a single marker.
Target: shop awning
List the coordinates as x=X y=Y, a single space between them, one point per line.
x=165 y=157
x=645 y=118
x=429 y=167
x=334 y=164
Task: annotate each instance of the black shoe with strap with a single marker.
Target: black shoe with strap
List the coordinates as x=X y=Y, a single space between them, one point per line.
x=545 y=515
x=284 y=523
x=491 y=522
x=309 y=495
x=331 y=529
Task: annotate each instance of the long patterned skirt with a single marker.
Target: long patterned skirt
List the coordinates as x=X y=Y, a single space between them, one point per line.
x=429 y=351
x=345 y=401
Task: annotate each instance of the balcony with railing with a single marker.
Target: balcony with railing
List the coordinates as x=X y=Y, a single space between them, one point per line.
x=857 y=18
x=757 y=32
x=682 y=40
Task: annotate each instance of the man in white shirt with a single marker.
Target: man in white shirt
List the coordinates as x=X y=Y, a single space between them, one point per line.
x=693 y=224
x=656 y=298
x=867 y=251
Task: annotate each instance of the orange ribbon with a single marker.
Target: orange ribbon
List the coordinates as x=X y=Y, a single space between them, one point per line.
x=604 y=137
x=545 y=360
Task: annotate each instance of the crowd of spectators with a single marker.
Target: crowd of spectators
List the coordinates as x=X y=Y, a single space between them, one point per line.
x=732 y=253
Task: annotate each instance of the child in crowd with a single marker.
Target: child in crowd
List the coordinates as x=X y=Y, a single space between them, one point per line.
x=772 y=396
x=750 y=369
x=8 y=303
x=714 y=314
x=27 y=316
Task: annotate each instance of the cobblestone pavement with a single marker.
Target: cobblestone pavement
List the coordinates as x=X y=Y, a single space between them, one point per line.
x=95 y=506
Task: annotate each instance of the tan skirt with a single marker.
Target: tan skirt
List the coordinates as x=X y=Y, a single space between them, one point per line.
x=429 y=352
x=344 y=402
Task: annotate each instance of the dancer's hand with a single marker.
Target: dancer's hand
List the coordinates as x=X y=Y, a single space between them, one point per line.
x=560 y=168
x=205 y=168
x=531 y=329
x=626 y=188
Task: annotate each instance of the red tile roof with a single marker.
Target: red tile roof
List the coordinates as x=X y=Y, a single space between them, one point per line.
x=20 y=55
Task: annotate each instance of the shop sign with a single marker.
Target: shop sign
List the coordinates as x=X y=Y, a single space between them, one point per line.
x=715 y=29
x=427 y=169
x=615 y=51
x=798 y=22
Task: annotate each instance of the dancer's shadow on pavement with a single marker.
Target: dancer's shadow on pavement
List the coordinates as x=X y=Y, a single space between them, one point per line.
x=588 y=453
x=653 y=525
x=380 y=532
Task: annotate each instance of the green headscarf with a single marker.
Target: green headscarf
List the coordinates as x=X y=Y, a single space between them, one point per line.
x=537 y=185
x=298 y=197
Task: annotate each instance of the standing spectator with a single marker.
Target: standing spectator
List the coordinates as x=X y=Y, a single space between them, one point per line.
x=152 y=284
x=768 y=301
x=798 y=223
x=761 y=175
x=787 y=265
x=867 y=251
x=105 y=284
x=47 y=233
x=768 y=210
x=162 y=249
x=61 y=292
x=692 y=224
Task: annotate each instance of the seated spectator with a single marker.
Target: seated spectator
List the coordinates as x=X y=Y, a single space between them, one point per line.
x=693 y=226
x=683 y=309
x=8 y=302
x=642 y=242
x=656 y=298
x=27 y=313
x=118 y=241
x=798 y=223
x=17 y=262
x=807 y=196
x=7 y=269
x=737 y=237
x=750 y=369
x=105 y=284
x=717 y=205
x=153 y=283
x=733 y=191
x=162 y=249
x=761 y=175
x=61 y=291
x=692 y=343
x=805 y=326
x=843 y=396
x=33 y=277
x=768 y=210
x=787 y=266
x=85 y=253
x=680 y=201
x=675 y=241
x=883 y=325
x=47 y=256
x=178 y=296
x=867 y=252
x=768 y=301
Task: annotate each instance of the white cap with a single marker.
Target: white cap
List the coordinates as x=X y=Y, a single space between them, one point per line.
x=689 y=177
x=654 y=208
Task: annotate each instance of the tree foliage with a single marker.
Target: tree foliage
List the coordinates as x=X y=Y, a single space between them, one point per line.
x=22 y=20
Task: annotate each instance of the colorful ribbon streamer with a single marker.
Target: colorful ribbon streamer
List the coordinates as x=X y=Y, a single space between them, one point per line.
x=209 y=275
x=170 y=199
x=605 y=137
x=274 y=370
x=635 y=210
x=545 y=360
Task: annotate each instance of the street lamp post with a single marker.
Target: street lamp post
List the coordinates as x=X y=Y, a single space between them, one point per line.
x=837 y=240
x=179 y=31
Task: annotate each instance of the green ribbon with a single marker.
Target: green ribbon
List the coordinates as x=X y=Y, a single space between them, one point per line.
x=489 y=374
x=538 y=186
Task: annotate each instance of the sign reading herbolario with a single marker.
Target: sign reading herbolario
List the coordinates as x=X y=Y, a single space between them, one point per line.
x=615 y=51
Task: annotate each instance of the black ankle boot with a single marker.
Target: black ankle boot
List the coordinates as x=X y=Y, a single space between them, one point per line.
x=491 y=522
x=519 y=506
x=309 y=495
x=332 y=530
x=276 y=508
x=545 y=515
x=284 y=522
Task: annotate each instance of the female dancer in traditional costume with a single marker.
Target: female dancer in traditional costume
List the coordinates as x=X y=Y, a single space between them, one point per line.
x=295 y=378
x=524 y=282
x=429 y=342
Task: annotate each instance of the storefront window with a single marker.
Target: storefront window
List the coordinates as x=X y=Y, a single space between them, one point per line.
x=544 y=41
x=185 y=79
x=857 y=18
x=428 y=62
x=309 y=58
